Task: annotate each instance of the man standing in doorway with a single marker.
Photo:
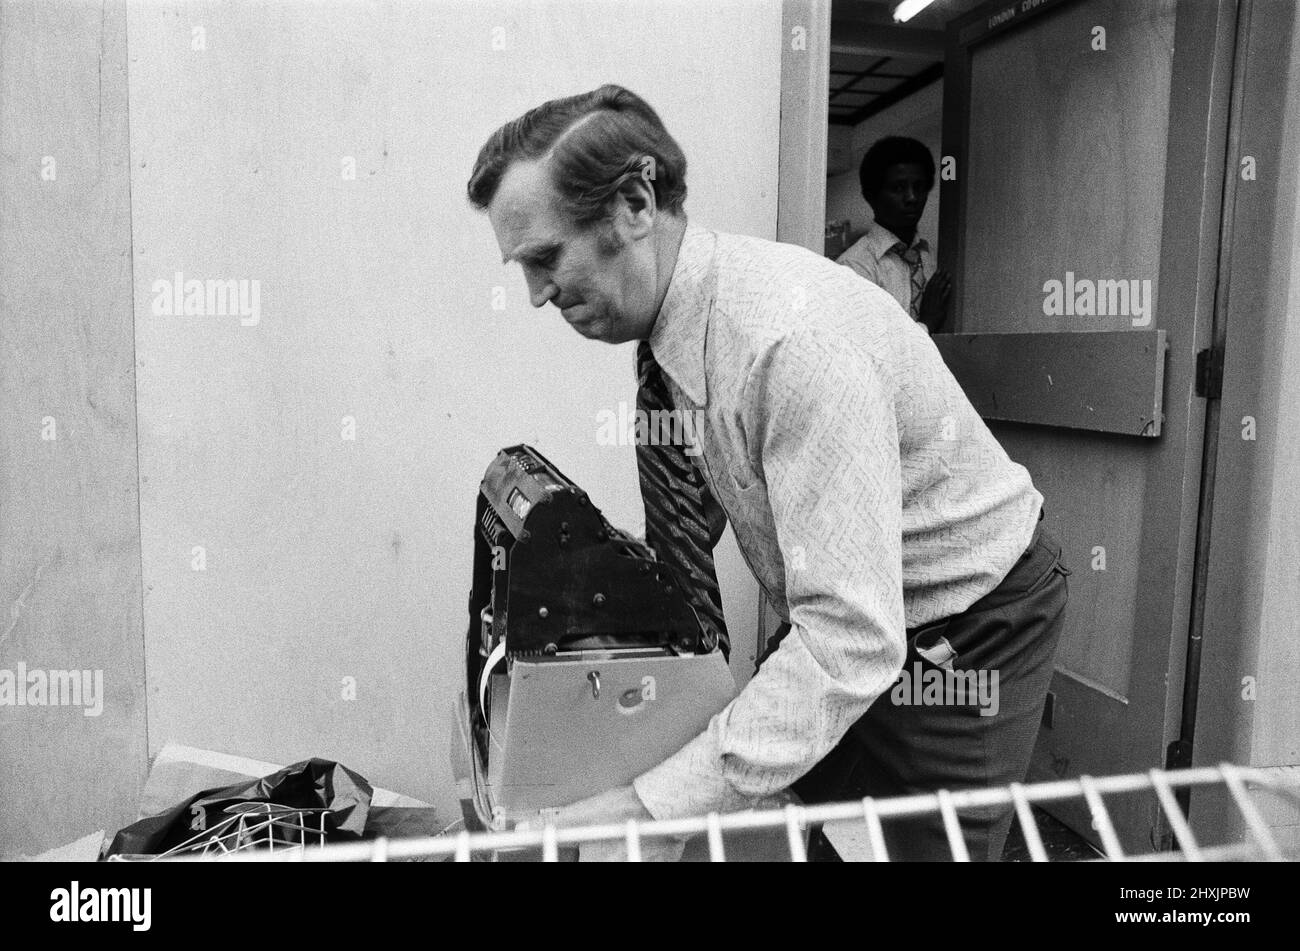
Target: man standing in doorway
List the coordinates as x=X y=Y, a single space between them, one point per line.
x=896 y=176
x=882 y=519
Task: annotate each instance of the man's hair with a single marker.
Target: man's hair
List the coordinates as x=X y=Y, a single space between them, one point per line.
x=595 y=142
x=893 y=150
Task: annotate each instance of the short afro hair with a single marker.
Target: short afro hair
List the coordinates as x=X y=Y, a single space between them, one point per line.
x=893 y=150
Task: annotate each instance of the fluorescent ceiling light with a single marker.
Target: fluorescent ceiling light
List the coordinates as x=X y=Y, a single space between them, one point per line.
x=909 y=8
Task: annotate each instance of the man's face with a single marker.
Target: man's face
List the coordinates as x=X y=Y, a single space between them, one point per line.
x=599 y=276
x=901 y=199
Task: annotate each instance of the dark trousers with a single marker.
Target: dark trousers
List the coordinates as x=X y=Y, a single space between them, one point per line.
x=903 y=746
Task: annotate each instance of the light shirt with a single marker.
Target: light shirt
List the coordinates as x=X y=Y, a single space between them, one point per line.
x=865 y=492
x=871 y=257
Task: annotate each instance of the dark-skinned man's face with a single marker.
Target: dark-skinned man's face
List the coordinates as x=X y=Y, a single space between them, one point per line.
x=899 y=202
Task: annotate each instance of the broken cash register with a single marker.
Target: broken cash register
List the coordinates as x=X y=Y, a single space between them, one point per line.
x=585 y=663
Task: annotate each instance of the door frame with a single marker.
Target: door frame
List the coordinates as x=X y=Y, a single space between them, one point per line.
x=801 y=174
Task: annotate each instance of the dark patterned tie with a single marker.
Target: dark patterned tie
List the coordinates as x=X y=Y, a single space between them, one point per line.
x=912 y=257
x=677 y=503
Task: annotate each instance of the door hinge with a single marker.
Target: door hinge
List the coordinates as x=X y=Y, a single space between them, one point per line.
x=1178 y=755
x=1209 y=373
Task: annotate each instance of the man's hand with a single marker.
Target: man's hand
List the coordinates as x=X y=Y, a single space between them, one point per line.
x=934 y=301
x=616 y=807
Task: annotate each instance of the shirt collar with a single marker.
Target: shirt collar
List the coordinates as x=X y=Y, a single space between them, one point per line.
x=678 y=337
x=880 y=239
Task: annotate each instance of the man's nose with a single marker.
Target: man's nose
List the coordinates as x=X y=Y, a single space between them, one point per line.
x=540 y=289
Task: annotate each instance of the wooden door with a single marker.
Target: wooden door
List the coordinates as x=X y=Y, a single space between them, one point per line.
x=1084 y=142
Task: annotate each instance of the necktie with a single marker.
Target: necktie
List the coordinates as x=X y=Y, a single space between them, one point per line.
x=676 y=502
x=912 y=257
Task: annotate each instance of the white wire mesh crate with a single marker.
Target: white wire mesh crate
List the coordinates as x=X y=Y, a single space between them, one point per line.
x=1242 y=785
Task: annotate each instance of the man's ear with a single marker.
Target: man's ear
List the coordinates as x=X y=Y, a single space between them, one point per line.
x=636 y=208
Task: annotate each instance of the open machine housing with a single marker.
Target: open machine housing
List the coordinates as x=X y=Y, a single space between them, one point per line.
x=585 y=664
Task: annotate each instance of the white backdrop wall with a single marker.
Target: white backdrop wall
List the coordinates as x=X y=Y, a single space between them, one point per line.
x=287 y=566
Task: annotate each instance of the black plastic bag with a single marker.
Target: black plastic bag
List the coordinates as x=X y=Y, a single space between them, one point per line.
x=310 y=784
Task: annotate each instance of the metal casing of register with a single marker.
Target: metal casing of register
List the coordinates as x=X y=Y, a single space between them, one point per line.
x=600 y=667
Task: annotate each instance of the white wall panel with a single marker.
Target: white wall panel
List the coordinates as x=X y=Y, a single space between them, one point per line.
x=328 y=558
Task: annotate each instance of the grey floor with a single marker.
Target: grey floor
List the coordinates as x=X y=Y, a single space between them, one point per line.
x=1060 y=842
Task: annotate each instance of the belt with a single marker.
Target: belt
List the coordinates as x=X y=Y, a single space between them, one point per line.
x=1041 y=557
